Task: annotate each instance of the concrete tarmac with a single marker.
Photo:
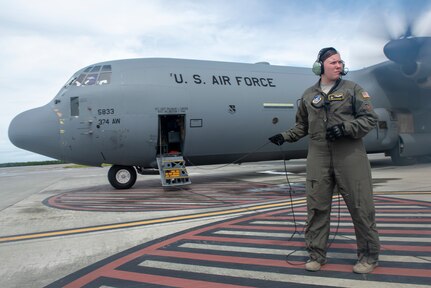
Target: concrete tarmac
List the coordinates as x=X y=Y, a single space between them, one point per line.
x=56 y=221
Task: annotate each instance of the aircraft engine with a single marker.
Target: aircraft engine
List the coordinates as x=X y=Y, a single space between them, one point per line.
x=413 y=54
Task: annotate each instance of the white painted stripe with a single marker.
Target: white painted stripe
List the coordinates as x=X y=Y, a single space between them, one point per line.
x=276 y=173
x=406 y=239
x=254 y=233
x=299 y=252
x=271 y=276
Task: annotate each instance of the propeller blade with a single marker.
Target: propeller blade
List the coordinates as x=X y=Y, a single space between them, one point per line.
x=404 y=50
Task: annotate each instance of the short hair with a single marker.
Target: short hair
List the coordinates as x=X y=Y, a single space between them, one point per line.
x=327 y=52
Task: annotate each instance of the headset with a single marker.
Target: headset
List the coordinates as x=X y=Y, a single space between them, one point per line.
x=318 y=65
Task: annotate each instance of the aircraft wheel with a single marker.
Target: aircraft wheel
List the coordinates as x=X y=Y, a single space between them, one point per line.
x=122 y=177
x=399 y=160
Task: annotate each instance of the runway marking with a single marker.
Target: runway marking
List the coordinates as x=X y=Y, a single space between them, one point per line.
x=108 y=227
x=57 y=233
x=254 y=254
x=155 y=198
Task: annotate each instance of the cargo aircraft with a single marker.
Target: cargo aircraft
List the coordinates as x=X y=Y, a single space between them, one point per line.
x=135 y=113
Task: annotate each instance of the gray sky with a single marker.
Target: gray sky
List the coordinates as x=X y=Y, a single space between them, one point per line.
x=44 y=42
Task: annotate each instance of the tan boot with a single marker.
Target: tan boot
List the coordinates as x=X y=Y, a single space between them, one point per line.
x=363 y=267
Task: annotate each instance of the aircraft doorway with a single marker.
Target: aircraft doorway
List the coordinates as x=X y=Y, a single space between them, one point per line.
x=171 y=134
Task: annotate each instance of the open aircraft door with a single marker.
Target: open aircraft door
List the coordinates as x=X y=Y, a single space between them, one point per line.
x=171 y=134
x=170 y=147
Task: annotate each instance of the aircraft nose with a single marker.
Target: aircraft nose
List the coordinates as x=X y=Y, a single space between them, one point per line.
x=37 y=130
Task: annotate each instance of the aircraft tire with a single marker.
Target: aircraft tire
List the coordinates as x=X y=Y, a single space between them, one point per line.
x=122 y=177
x=398 y=160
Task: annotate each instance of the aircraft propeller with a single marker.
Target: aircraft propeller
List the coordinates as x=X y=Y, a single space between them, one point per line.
x=405 y=48
x=408 y=42
x=403 y=35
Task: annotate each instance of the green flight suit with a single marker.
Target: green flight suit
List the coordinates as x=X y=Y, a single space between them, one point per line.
x=342 y=163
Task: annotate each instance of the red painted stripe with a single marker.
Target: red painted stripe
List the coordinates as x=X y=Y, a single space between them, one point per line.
x=407 y=232
x=344 y=230
x=394 y=209
x=348 y=219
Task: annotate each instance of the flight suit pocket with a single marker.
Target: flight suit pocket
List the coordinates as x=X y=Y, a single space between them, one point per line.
x=311 y=184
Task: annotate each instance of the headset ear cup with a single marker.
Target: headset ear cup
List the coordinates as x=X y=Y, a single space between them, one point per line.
x=317 y=68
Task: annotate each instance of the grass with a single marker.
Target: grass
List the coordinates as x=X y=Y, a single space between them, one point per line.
x=51 y=162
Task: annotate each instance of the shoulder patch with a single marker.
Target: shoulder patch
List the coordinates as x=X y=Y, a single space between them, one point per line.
x=317 y=99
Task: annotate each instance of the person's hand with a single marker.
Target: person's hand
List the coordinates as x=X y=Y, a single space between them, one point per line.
x=277 y=139
x=335 y=132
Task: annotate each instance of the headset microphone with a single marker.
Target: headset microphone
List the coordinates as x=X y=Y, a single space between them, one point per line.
x=345 y=70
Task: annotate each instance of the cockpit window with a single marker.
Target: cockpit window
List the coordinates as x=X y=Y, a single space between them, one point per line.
x=80 y=80
x=106 y=68
x=93 y=75
x=90 y=79
x=95 y=69
x=104 y=78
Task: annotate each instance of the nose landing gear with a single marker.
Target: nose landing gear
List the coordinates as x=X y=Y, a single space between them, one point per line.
x=122 y=177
